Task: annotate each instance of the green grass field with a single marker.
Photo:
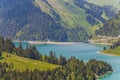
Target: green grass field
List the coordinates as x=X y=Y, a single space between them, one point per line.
x=115 y=51
x=21 y=64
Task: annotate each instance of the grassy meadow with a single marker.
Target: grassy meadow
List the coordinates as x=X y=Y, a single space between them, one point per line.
x=21 y=64
x=114 y=52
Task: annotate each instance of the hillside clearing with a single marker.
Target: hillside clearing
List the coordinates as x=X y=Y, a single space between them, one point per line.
x=21 y=64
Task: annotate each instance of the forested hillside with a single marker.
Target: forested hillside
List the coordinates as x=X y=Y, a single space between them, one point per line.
x=22 y=20
x=56 y=20
x=111 y=27
x=115 y=3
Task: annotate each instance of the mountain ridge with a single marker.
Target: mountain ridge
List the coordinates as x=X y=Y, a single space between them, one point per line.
x=57 y=20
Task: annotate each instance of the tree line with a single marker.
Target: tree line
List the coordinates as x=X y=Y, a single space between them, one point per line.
x=30 y=52
x=116 y=44
x=71 y=69
x=75 y=69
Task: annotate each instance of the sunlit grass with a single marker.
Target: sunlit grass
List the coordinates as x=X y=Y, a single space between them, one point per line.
x=21 y=64
x=115 y=51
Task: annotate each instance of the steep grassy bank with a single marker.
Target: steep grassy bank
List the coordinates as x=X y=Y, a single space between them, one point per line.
x=21 y=63
x=114 y=52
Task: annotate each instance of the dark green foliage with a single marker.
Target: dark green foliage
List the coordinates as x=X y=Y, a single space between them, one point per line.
x=92 y=20
x=111 y=27
x=99 y=67
x=1 y=43
x=62 y=60
x=74 y=70
x=77 y=70
x=6 y=45
x=0 y=54
x=115 y=45
x=29 y=52
x=77 y=34
x=104 y=48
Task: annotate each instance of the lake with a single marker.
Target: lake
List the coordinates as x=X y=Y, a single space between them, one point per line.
x=84 y=51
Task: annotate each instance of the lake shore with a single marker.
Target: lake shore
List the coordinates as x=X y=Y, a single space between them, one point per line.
x=100 y=43
x=48 y=42
x=107 y=73
x=109 y=54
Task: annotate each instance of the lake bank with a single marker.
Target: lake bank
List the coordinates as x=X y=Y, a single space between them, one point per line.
x=105 y=40
x=109 y=54
x=48 y=42
x=112 y=52
x=83 y=51
x=102 y=76
x=99 y=43
x=52 y=42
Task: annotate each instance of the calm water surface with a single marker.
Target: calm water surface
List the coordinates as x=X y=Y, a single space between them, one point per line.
x=85 y=52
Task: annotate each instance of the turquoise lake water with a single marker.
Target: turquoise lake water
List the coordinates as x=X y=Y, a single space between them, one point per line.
x=84 y=51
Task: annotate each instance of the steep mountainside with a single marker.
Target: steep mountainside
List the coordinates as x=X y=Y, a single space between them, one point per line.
x=111 y=28
x=23 y=21
x=115 y=3
x=78 y=12
x=57 y=20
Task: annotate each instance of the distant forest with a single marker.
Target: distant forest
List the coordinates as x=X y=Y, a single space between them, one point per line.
x=111 y=27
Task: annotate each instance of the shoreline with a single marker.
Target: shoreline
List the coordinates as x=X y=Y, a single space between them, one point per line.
x=101 y=43
x=19 y=41
x=109 y=54
x=48 y=42
x=103 y=75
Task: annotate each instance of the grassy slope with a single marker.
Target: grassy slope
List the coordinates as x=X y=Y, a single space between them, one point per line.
x=115 y=51
x=21 y=64
x=115 y=3
x=70 y=14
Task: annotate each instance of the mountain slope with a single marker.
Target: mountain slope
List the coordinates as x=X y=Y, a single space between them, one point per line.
x=115 y=3
x=56 y=20
x=68 y=12
x=111 y=27
x=24 y=21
